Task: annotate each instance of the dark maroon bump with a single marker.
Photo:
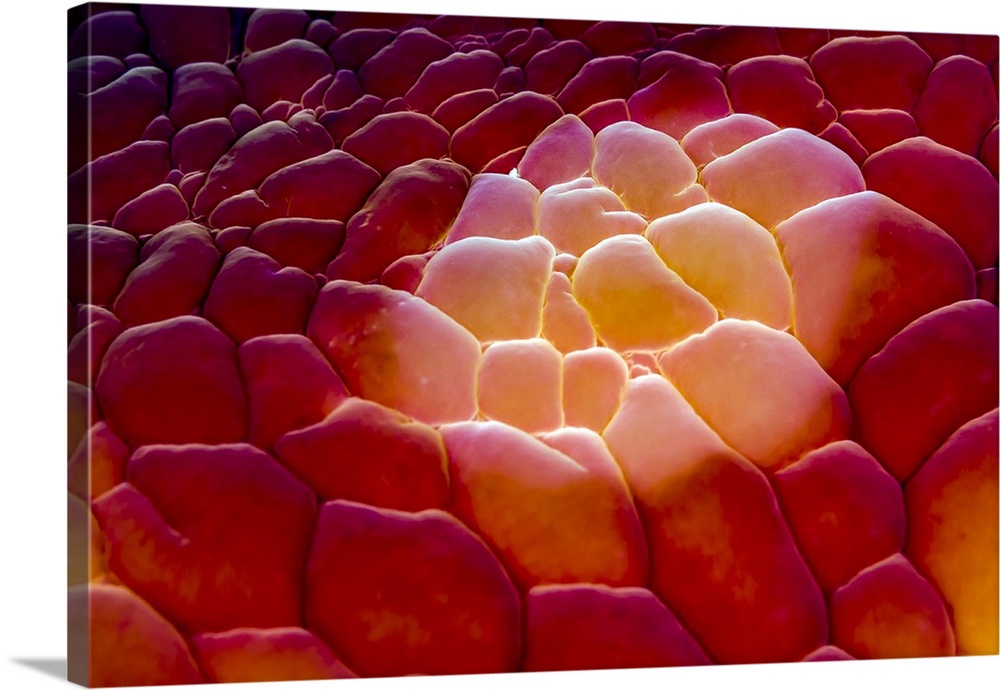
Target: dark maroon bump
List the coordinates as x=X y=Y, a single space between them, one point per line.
x=321 y=32
x=548 y=71
x=538 y=39
x=354 y=47
x=267 y=28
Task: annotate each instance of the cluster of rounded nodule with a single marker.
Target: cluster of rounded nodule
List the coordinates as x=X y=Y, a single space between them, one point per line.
x=411 y=345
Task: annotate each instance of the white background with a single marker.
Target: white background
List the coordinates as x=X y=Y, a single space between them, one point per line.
x=32 y=332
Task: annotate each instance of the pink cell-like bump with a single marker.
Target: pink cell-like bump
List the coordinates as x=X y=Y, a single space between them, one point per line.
x=127 y=642
x=202 y=91
x=647 y=169
x=244 y=119
x=200 y=552
x=392 y=140
x=305 y=243
x=364 y=452
x=634 y=300
x=772 y=178
x=397 y=593
x=581 y=627
x=659 y=63
x=98 y=189
x=343 y=90
x=593 y=382
x=289 y=385
x=152 y=211
x=600 y=79
x=97 y=329
x=253 y=296
x=408 y=213
x=562 y=152
x=245 y=209
x=176 y=269
x=510 y=81
x=780 y=89
x=555 y=510
x=173 y=381
x=722 y=557
x=878 y=129
x=356 y=45
x=879 y=72
x=845 y=510
x=332 y=186
x=494 y=288
x=100 y=261
x=717 y=138
x=458 y=73
x=460 y=108
x=933 y=376
x=527 y=45
x=958 y=104
x=520 y=383
x=505 y=163
x=862 y=268
x=98 y=465
x=760 y=390
x=160 y=128
x=395 y=68
x=232 y=238
x=393 y=348
x=727 y=257
x=122 y=109
x=952 y=508
x=264 y=150
x=944 y=186
x=497 y=205
x=577 y=215
x=268 y=28
x=312 y=98
x=890 y=611
x=841 y=137
x=340 y=123
x=565 y=323
x=549 y=69
x=605 y=113
x=680 y=100
x=510 y=123
x=273 y=654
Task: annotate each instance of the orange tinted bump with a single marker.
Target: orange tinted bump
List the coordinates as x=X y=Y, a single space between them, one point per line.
x=593 y=382
x=495 y=288
x=772 y=178
x=520 y=383
x=760 y=390
x=727 y=257
x=555 y=512
x=634 y=300
x=952 y=506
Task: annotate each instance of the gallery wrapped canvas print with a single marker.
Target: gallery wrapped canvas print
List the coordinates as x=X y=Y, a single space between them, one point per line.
x=404 y=344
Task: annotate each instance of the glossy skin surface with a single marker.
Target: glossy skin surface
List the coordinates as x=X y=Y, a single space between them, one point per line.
x=437 y=345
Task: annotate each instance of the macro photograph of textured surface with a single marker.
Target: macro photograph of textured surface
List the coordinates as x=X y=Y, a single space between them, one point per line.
x=406 y=344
